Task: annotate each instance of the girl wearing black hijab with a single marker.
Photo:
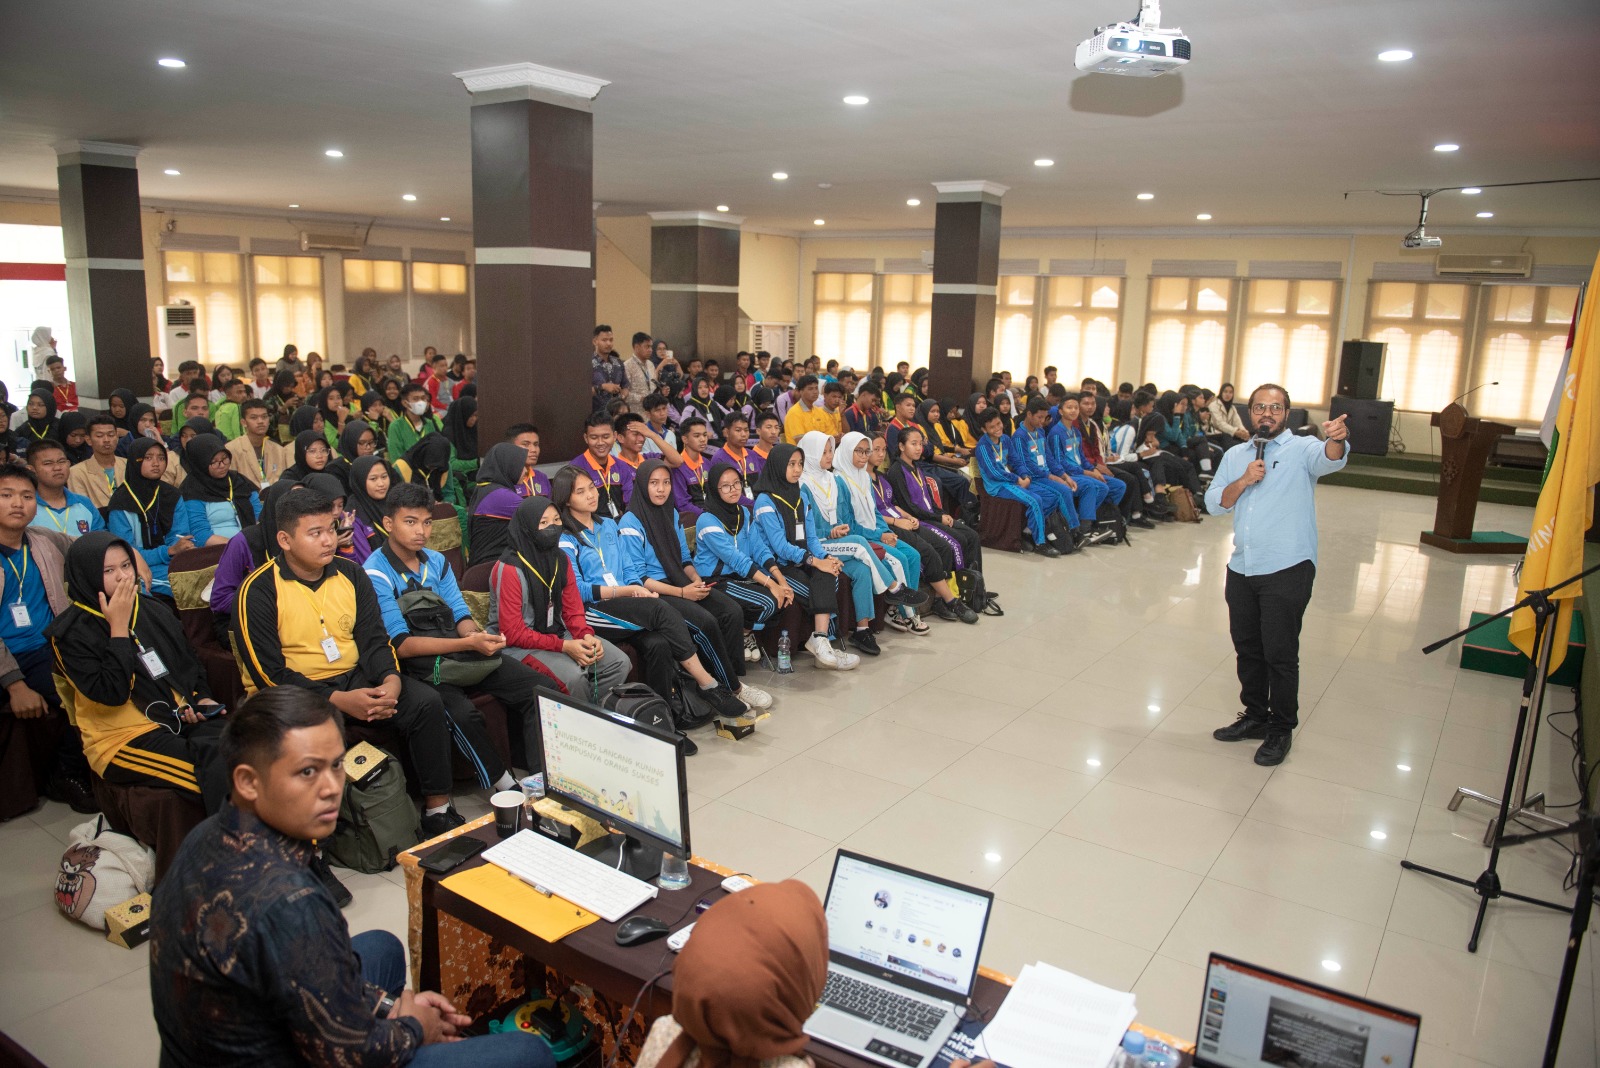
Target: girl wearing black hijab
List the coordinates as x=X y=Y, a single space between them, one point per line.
x=41 y=421
x=143 y=512
x=143 y=705
x=120 y=404
x=655 y=555
x=930 y=417
x=142 y=425
x=461 y=430
x=246 y=552
x=311 y=454
x=782 y=519
x=324 y=483
x=308 y=417
x=729 y=553
x=494 y=501
x=355 y=441
x=370 y=479
x=429 y=464
x=330 y=402
x=75 y=424
x=534 y=603
x=217 y=502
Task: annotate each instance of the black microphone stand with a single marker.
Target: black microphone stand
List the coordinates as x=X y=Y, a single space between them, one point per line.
x=1487 y=885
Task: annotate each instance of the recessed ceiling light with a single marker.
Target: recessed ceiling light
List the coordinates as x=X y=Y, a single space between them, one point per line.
x=1044 y=163
x=780 y=176
x=334 y=153
x=1485 y=214
x=444 y=218
x=408 y=196
x=294 y=205
x=1471 y=191
x=1377 y=835
x=855 y=100
x=819 y=222
x=722 y=207
x=172 y=172
x=913 y=202
x=1332 y=965
x=1447 y=147
x=1395 y=55
x=172 y=63
x=1204 y=216
x=1146 y=196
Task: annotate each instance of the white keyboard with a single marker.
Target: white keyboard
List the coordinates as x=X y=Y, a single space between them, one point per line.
x=566 y=873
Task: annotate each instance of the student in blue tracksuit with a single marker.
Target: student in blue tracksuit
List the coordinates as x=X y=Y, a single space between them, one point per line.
x=1063 y=446
x=730 y=553
x=622 y=612
x=1067 y=440
x=217 y=502
x=143 y=511
x=655 y=555
x=825 y=494
x=1001 y=479
x=783 y=522
x=1031 y=456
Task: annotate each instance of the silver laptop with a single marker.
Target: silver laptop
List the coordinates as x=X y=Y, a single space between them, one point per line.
x=1252 y=1017
x=902 y=957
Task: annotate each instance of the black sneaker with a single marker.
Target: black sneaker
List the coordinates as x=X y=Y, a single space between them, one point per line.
x=945 y=610
x=325 y=876
x=74 y=791
x=686 y=743
x=440 y=822
x=862 y=639
x=1241 y=729
x=907 y=596
x=1049 y=551
x=1275 y=748
x=721 y=698
x=1141 y=522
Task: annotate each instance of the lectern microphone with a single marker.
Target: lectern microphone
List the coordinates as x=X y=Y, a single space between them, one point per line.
x=1471 y=391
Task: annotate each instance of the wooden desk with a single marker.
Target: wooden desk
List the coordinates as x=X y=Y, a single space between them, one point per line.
x=589 y=957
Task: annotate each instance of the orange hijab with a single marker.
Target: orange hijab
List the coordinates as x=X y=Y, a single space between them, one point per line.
x=750 y=977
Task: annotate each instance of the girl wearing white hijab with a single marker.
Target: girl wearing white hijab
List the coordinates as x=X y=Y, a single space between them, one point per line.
x=861 y=513
x=828 y=507
x=44 y=347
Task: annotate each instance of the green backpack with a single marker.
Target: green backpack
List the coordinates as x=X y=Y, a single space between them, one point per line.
x=427 y=616
x=377 y=820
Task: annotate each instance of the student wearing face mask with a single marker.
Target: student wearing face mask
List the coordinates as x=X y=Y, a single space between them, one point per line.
x=414 y=423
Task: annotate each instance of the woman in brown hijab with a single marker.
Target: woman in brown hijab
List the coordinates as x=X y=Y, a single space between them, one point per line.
x=745 y=984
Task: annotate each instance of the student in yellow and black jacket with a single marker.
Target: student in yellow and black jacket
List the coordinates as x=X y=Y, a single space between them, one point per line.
x=309 y=618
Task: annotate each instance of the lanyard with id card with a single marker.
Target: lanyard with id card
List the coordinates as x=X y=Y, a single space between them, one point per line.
x=19 y=610
x=330 y=646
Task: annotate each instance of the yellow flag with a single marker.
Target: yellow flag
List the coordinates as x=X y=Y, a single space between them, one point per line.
x=1566 y=501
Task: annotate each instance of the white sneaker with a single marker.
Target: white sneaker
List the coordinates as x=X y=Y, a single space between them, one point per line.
x=829 y=657
x=752 y=650
x=755 y=698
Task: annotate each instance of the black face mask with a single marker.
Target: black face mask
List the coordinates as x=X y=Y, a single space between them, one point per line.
x=547 y=538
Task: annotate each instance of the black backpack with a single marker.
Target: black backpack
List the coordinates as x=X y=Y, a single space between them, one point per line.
x=427 y=616
x=638 y=702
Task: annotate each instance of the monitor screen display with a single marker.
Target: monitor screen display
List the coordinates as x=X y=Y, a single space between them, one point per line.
x=624 y=772
x=1253 y=1018
x=893 y=920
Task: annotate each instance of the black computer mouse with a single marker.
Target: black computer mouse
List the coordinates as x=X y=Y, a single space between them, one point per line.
x=636 y=930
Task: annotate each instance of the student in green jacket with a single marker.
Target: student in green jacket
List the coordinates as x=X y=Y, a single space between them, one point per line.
x=414 y=422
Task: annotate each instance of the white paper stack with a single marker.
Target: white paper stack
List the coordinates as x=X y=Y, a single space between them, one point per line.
x=1055 y=1019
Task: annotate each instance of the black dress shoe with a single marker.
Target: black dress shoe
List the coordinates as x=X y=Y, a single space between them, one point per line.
x=324 y=874
x=73 y=791
x=1241 y=729
x=1275 y=748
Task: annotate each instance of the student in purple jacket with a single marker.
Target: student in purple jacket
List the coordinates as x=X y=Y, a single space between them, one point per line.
x=607 y=471
x=494 y=500
x=370 y=479
x=689 y=477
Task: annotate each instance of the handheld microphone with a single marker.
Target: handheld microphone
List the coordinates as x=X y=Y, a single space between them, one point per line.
x=1261 y=447
x=1471 y=391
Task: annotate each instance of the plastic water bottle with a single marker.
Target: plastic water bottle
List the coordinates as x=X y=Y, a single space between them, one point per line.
x=785 y=663
x=1141 y=1051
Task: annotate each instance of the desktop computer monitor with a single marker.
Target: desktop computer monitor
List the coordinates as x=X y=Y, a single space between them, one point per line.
x=625 y=775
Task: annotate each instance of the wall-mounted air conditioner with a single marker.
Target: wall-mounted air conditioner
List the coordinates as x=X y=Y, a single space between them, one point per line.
x=180 y=334
x=1514 y=264
x=311 y=241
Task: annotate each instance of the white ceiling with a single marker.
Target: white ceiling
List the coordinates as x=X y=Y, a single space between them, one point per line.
x=1284 y=107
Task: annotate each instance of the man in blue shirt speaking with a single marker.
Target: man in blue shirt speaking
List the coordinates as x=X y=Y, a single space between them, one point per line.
x=1269 y=484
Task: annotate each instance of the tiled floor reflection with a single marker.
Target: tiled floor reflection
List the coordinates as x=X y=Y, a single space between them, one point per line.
x=1062 y=757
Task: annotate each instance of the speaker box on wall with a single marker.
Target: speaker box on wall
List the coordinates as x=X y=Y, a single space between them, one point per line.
x=1369 y=422
x=1360 y=369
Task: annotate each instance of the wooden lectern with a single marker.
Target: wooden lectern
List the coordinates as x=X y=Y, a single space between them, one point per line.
x=1467 y=443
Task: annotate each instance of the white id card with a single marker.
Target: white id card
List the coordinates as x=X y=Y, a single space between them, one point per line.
x=330 y=649
x=152 y=663
x=550 y=614
x=19 y=615
x=799 y=532
x=610 y=579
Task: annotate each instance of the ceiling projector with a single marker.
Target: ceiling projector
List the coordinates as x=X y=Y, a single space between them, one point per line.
x=1137 y=49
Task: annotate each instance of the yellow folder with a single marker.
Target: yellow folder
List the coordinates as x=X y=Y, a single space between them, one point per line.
x=494 y=888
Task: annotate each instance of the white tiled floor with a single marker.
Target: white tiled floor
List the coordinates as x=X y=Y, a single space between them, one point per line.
x=1062 y=757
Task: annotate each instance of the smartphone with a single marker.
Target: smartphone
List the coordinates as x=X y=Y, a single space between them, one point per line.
x=453 y=854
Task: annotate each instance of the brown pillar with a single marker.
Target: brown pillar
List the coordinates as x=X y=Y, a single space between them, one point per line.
x=694 y=282
x=99 y=191
x=966 y=272
x=533 y=235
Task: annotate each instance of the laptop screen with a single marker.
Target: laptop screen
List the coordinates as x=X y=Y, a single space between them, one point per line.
x=1251 y=1018
x=897 y=922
